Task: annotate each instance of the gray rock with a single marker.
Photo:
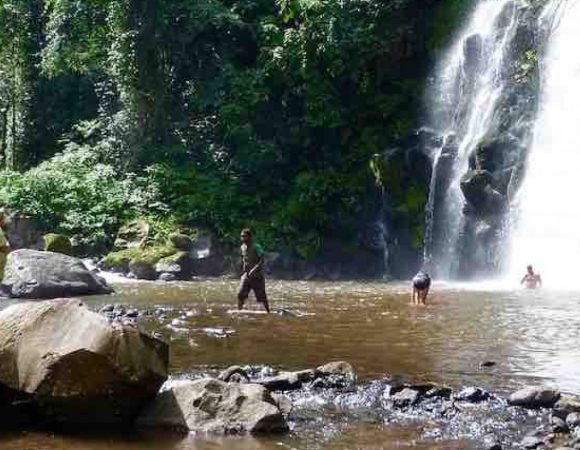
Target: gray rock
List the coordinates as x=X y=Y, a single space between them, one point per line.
x=531 y=442
x=77 y=366
x=133 y=234
x=558 y=425
x=404 y=398
x=533 y=398
x=472 y=394
x=283 y=402
x=566 y=405
x=235 y=374
x=573 y=420
x=34 y=274
x=142 y=270
x=213 y=406
x=337 y=374
x=167 y=277
x=287 y=381
x=491 y=442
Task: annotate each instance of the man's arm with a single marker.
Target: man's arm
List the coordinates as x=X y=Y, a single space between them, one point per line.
x=257 y=267
x=523 y=279
x=540 y=280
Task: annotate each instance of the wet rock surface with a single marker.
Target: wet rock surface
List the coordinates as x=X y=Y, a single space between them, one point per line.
x=532 y=398
x=40 y=275
x=73 y=367
x=214 y=406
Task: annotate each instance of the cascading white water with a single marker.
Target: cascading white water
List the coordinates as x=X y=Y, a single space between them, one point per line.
x=467 y=87
x=547 y=230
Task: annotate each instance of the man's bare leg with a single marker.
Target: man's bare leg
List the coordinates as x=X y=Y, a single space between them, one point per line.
x=266 y=305
x=241 y=301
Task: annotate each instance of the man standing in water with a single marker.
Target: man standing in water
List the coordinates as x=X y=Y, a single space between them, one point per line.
x=252 y=267
x=531 y=280
x=421 y=285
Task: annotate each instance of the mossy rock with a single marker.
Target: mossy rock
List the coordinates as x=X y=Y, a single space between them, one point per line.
x=120 y=261
x=181 y=241
x=179 y=264
x=57 y=243
x=176 y=258
x=133 y=234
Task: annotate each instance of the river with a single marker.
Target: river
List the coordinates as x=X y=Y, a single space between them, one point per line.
x=531 y=336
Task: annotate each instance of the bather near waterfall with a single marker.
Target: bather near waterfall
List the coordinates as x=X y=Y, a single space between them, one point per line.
x=531 y=280
x=421 y=285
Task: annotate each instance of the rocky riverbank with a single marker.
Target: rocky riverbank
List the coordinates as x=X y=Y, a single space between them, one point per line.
x=80 y=376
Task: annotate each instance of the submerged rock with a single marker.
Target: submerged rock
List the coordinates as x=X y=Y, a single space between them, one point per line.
x=213 y=406
x=76 y=366
x=533 y=398
x=35 y=274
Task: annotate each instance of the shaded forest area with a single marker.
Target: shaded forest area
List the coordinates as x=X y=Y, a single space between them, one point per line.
x=216 y=113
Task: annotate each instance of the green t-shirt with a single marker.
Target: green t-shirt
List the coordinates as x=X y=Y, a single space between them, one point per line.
x=251 y=255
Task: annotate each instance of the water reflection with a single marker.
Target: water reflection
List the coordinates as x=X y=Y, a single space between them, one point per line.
x=532 y=337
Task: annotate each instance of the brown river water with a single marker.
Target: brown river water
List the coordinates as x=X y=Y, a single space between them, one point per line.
x=532 y=336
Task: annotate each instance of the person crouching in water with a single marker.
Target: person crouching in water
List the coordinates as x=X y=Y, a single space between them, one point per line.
x=252 y=267
x=531 y=280
x=421 y=285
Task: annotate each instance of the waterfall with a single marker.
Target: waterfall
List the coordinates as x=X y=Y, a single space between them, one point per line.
x=463 y=102
x=547 y=208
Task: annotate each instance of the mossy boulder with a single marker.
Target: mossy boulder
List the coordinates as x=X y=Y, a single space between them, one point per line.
x=140 y=261
x=57 y=243
x=133 y=235
x=180 y=265
x=181 y=241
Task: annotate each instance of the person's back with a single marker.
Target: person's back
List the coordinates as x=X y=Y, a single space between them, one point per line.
x=421 y=284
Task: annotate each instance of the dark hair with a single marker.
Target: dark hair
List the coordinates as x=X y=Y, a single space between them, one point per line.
x=246 y=231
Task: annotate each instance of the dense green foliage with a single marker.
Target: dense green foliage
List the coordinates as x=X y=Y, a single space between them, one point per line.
x=215 y=113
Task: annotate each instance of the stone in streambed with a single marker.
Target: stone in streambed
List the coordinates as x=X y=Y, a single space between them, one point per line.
x=533 y=398
x=404 y=398
x=75 y=366
x=531 y=442
x=234 y=374
x=473 y=395
x=336 y=374
x=573 y=420
x=558 y=425
x=287 y=381
x=491 y=442
x=213 y=406
x=566 y=405
x=38 y=275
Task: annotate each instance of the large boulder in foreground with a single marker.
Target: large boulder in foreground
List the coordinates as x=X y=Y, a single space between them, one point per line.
x=35 y=274
x=75 y=366
x=214 y=406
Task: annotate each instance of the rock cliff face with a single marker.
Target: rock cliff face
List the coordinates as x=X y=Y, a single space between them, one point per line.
x=484 y=113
